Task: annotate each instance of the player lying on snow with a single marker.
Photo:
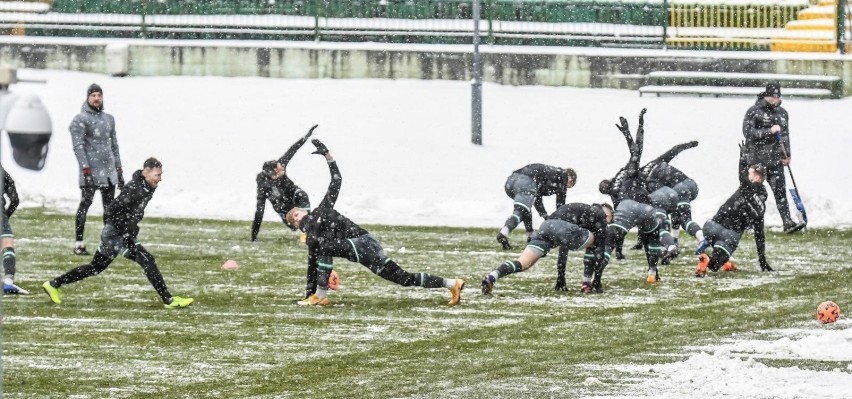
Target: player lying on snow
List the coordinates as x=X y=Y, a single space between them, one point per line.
x=744 y=209
x=630 y=197
x=571 y=227
x=330 y=235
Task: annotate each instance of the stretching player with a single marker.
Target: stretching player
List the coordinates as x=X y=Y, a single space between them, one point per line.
x=571 y=227
x=744 y=209
x=330 y=235
x=629 y=194
x=672 y=190
x=274 y=185
x=526 y=186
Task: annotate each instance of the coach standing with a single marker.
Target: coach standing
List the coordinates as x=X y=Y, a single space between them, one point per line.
x=767 y=143
x=96 y=148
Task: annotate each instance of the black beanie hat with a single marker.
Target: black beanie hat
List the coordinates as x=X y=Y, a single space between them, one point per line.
x=92 y=89
x=772 y=90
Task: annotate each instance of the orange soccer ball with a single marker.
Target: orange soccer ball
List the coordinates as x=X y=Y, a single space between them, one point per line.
x=333 y=281
x=828 y=312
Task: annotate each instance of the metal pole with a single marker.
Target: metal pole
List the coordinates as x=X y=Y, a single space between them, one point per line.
x=476 y=103
x=841 y=26
x=665 y=22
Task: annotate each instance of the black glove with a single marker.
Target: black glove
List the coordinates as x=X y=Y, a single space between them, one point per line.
x=120 y=178
x=321 y=148
x=693 y=144
x=560 y=284
x=88 y=180
x=310 y=132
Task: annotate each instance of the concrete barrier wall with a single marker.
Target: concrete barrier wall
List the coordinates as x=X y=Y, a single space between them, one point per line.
x=598 y=68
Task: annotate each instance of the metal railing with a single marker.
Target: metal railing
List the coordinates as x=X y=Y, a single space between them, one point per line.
x=723 y=24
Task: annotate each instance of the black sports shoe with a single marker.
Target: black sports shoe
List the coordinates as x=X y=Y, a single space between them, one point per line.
x=80 y=251
x=504 y=241
x=598 y=287
x=637 y=246
x=792 y=227
x=618 y=254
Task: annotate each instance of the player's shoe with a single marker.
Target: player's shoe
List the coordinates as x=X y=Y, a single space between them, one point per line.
x=314 y=300
x=488 y=284
x=178 y=302
x=791 y=227
x=504 y=241
x=598 y=287
x=618 y=254
x=455 y=292
x=702 y=245
x=653 y=276
x=703 y=261
x=53 y=293
x=729 y=267
x=586 y=288
x=14 y=289
x=637 y=246
x=81 y=251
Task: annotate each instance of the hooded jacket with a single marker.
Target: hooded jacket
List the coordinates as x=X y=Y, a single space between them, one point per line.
x=762 y=146
x=95 y=145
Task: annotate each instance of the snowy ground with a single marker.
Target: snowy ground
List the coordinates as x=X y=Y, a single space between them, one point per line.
x=404 y=146
x=404 y=150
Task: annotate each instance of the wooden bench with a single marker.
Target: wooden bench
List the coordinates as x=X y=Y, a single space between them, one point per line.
x=730 y=82
x=719 y=91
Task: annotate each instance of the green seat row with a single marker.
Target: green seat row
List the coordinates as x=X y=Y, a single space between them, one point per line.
x=580 y=11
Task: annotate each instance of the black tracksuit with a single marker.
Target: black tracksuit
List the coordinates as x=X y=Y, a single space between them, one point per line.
x=549 y=180
x=9 y=190
x=629 y=184
x=121 y=228
x=331 y=234
x=282 y=193
x=660 y=173
x=763 y=147
x=589 y=217
x=744 y=209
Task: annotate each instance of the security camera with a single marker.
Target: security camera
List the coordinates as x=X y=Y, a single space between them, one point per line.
x=29 y=127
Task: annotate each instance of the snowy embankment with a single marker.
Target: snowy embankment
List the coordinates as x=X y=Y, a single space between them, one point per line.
x=404 y=146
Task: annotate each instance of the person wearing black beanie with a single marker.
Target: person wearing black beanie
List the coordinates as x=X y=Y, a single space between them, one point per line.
x=96 y=148
x=767 y=142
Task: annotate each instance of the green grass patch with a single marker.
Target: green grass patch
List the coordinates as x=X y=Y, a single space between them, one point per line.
x=246 y=337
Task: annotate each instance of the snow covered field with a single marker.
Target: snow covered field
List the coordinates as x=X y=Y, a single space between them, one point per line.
x=404 y=150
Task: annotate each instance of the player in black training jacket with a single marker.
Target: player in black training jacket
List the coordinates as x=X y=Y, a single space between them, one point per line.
x=526 y=186
x=119 y=236
x=570 y=227
x=7 y=237
x=744 y=209
x=630 y=197
x=274 y=185
x=331 y=234
x=672 y=190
